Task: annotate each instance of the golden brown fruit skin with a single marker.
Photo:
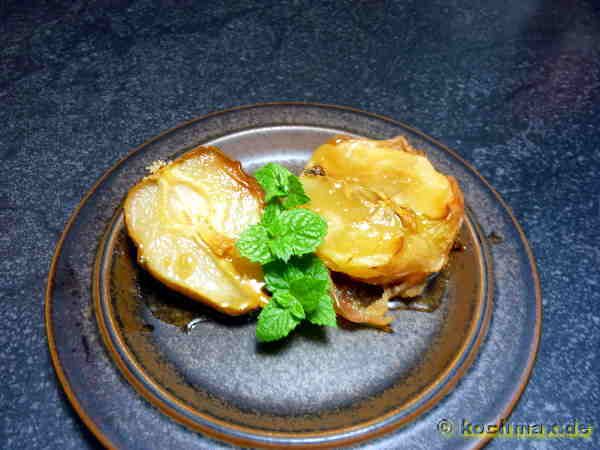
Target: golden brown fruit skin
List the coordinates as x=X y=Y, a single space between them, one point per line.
x=185 y=218
x=392 y=218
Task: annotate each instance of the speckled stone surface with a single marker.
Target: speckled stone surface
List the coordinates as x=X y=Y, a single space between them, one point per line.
x=514 y=87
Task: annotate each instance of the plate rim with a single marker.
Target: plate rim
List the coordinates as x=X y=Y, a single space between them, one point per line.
x=534 y=345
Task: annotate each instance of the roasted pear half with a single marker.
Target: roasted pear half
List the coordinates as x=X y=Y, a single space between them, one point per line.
x=185 y=218
x=392 y=217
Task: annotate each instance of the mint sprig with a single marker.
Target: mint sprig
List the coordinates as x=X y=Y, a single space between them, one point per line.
x=283 y=242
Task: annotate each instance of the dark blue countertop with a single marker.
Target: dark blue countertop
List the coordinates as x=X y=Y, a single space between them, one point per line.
x=513 y=86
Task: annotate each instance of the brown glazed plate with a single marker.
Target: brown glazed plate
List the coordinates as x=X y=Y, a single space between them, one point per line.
x=145 y=367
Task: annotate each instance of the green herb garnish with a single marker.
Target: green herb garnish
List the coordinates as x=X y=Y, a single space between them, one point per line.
x=282 y=185
x=283 y=242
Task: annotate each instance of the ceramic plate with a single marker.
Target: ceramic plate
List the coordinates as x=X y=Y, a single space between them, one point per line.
x=147 y=368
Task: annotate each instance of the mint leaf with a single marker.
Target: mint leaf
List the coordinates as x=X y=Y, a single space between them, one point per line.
x=274 y=179
x=323 y=314
x=308 y=291
x=295 y=195
x=301 y=230
x=253 y=244
x=289 y=302
x=281 y=249
x=282 y=234
x=270 y=215
x=274 y=323
x=279 y=275
x=277 y=182
x=312 y=266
